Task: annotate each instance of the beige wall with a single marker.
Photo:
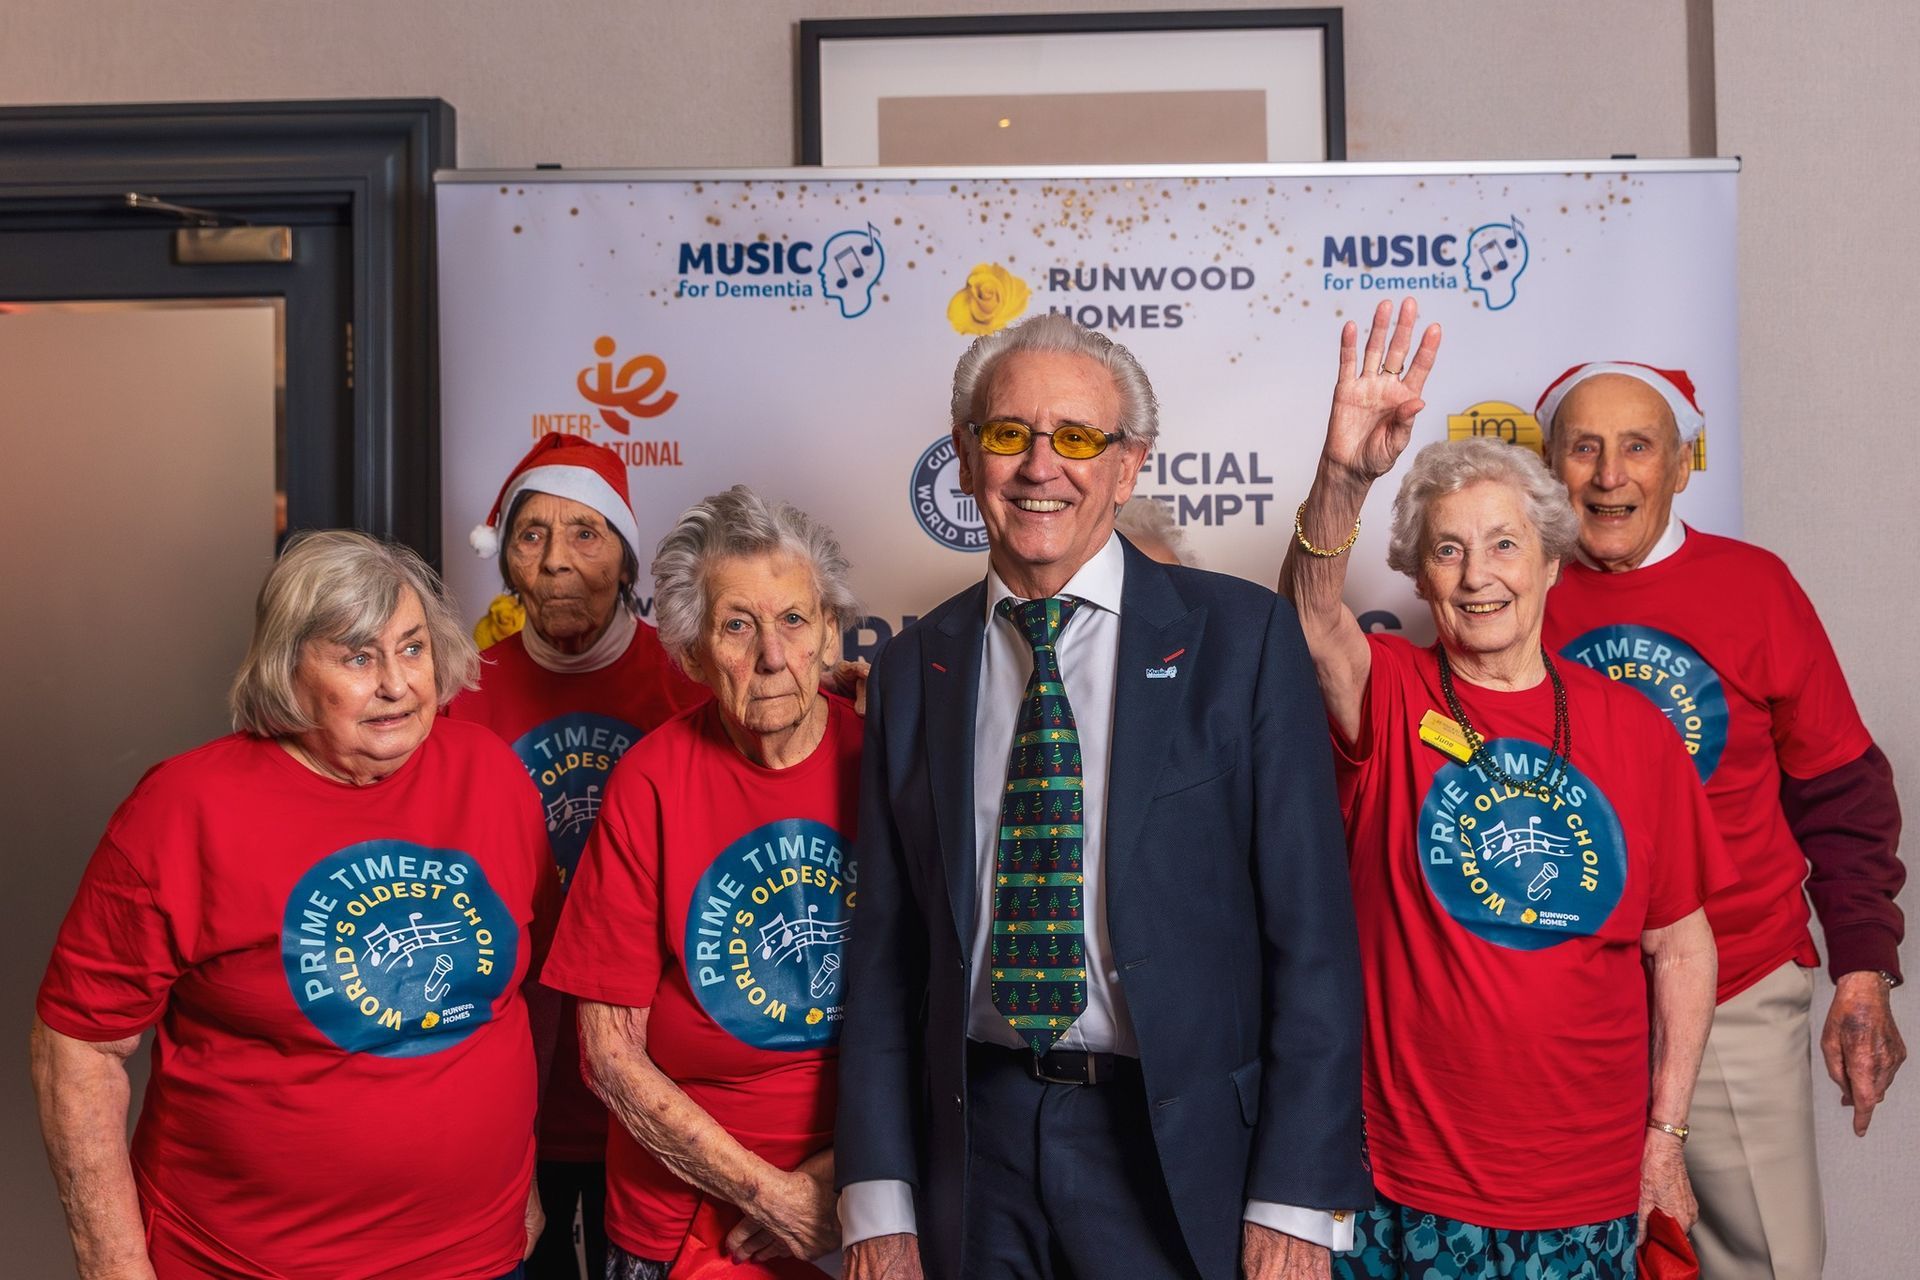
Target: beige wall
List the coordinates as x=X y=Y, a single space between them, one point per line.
x=1809 y=95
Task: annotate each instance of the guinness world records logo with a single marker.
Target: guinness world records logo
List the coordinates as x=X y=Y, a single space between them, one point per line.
x=1671 y=674
x=949 y=516
x=1514 y=870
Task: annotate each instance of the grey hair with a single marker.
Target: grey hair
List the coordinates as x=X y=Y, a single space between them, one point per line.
x=629 y=562
x=1452 y=465
x=1149 y=519
x=737 y=523
x=336 y=586
x=1052 y=331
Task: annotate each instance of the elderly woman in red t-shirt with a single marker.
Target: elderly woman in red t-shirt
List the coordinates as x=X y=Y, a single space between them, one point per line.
x=703 y=933
x=328 y=916
x=1523 y=835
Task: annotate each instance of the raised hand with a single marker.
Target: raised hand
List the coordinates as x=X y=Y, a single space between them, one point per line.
x=1377 y=395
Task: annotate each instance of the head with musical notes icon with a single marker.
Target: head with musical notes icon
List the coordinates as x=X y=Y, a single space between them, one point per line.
x=851 y=263
x=1495 y=258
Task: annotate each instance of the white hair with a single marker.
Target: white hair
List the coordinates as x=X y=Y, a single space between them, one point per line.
x=1452 y=465
x=1054 y=332
x=1144 y=519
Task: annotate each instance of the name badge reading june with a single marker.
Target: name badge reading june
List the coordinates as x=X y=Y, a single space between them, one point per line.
x=1444 y=734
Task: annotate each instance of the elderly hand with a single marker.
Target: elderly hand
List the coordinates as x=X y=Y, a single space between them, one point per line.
x=849 y=680
x=894 y=1257
x=1377 y=395
x=1663 y=1183
x=1266 y=1254
x=1862 y=1047
x=792 y=1214
x=536 y=1220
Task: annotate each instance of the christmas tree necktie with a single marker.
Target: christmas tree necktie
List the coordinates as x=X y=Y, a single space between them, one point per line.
x=1039 y=944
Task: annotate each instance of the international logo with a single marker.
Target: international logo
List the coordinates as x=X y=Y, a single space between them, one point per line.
x=991 y=299
x=569 y=758
x=766 y=935
x=844 y=269
x=624 y=393
x=1514 y=870
x=1497 y=420
x=948 y=515
x=397 y=949
x=1670 y=672
x=1487 y=261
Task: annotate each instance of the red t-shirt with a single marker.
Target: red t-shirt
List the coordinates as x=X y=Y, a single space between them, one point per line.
x=1506 y=1079
x=569 y=730
x=343 y=1079
x=1725 y=642
x=718 y=894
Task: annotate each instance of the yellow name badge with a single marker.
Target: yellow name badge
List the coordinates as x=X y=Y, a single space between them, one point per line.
x=1440 y=732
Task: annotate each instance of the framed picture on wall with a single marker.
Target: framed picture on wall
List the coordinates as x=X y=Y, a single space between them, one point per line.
x=1207 y=86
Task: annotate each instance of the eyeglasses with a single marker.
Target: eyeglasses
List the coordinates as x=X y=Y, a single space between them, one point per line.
x=1010 y=438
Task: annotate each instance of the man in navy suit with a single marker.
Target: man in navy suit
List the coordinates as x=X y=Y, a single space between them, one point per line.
x=1103 y=996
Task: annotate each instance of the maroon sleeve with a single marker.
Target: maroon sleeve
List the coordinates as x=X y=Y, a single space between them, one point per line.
x=1847 y=821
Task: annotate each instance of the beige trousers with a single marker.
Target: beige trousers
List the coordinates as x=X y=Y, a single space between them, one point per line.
x=1751 y=1150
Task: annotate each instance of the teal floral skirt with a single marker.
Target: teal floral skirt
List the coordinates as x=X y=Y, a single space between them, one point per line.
x=1393 y=1242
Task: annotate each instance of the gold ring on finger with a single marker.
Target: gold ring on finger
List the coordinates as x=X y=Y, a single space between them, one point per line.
x=1394 y=373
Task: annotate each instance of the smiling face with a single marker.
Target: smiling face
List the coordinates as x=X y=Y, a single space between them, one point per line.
x=765 y=644
x=1046 y=515
x=371 y=706
x=1615 y=447
x=1485 y=575
x=566 y=564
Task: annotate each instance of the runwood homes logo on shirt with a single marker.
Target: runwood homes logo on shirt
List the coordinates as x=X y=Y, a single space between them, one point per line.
x=765 y=932
x=397 y=949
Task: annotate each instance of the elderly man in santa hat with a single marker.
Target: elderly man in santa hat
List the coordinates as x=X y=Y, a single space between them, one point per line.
x=1719 y=635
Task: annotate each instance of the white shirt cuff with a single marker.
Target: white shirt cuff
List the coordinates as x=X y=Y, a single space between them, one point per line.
x=1330 y=1230
x=884 y=1208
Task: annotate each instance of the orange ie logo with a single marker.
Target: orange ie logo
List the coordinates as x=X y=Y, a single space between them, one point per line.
x=631 y=392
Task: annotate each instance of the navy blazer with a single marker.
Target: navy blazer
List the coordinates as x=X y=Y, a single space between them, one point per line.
x=1227 y=905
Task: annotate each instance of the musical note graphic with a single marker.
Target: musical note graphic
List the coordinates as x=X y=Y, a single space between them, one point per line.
x=437 y=985
x=1501 y=844
x=569 y=814
x=1492 y=246
x=384 y=946
x=824 y=982
x=782 y=939
x=841 y=259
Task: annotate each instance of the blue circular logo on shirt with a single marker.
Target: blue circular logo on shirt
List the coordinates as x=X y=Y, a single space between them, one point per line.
x=397 y=949
x=569 y=758
x=766 y=932
x=1516 y=871
x=1667 y=670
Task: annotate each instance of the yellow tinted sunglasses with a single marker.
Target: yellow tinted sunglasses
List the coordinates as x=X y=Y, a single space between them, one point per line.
x=1009 y=438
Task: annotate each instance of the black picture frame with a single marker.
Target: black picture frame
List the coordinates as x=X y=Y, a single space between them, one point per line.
x=813 y=32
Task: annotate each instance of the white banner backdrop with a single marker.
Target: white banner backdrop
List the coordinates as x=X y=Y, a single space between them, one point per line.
x=796 y=331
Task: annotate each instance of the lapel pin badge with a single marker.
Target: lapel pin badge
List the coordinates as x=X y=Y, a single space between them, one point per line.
x=1167 y=671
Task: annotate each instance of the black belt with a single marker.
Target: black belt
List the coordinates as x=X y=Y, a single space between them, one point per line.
x=1058 y=1066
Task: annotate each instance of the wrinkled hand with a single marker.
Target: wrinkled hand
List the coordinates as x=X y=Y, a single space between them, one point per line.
x=792 y=1215
x=1373 y=410
x=536 y=1221
x=849 y=680
x=1266 y=1254
x=1664 y=1184
x=895 y=1257
x=1861 y=1044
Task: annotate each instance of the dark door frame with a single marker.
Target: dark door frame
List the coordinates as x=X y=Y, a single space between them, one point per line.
x=376 y=156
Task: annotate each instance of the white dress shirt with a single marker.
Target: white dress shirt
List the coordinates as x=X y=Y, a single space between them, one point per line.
x=1089 y=652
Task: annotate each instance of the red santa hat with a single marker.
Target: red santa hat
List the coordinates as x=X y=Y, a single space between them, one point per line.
x=1674 y=386
x=566 y=467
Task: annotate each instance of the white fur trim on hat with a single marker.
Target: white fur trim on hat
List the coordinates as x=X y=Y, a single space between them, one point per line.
x=1673 y=386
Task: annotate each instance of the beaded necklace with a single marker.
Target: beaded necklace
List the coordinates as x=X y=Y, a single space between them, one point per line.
x=1560 y=751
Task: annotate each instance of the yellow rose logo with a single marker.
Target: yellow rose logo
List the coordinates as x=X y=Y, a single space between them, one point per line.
x=1529 y=916
x=993 y=297
x=814 y=1016
x=431 y=1021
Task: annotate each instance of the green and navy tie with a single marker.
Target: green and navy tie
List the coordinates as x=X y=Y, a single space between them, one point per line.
x=1039 y=944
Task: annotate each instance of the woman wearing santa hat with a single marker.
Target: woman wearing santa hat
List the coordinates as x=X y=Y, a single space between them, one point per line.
x=581 y=682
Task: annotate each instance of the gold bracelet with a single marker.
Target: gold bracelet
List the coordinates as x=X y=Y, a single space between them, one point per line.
x=1300 y=535
x=1679 y=1131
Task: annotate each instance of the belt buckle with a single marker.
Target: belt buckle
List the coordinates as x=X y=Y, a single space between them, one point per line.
x=1089 y=1072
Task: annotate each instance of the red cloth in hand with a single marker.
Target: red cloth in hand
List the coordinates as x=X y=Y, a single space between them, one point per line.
x=703 y=1254
x=1666 y=1253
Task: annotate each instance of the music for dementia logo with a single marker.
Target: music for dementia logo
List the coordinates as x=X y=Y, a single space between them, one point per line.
x=1487 y=261
x=844 y=269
